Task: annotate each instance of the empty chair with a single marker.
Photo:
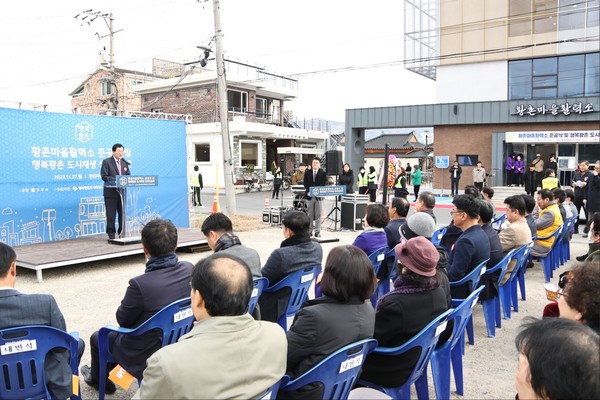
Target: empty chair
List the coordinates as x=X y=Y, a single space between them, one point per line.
x=337 y=373
x=24 y=352
x=451 y=352
x=377 y=258
x=259 y=286
x=473 y=279
x=298 y=282
x=563 y=245
x=174 y=321
x=425 y=340
x=508 y=291
x=491 y=307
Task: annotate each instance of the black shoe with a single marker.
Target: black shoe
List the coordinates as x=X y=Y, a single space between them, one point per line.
x=86 y=373
x=581 y=258
x=530 y=264
x=318 y=234
x=111 y=236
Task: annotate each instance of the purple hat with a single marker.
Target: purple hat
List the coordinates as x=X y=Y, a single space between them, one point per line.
x=419 y=255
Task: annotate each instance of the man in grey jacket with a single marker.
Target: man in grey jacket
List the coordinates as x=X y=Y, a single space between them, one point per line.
x=18 y=309
x=218 y=229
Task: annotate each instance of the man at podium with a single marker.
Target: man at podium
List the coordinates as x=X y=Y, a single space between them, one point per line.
x=113 y=202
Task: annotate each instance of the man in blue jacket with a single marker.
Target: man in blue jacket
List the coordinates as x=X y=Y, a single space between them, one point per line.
x=471 y=248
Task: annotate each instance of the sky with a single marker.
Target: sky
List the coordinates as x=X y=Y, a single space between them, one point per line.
x=46 y=52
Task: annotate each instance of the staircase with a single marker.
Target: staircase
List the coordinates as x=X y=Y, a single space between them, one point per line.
x=502 y=192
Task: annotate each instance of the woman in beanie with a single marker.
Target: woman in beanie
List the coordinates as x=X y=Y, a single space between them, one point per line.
x=416 y=300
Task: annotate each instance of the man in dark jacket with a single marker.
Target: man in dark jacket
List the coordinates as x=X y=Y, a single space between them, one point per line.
x=471 y=248
x=455 y=172
x=164 y=281
x=490 y=281
x=296 y=252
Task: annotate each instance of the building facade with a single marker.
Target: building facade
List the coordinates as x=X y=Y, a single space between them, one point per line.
x=513 y=76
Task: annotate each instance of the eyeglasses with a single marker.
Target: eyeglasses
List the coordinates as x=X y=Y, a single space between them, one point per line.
x=560 y=293
x=452 y=212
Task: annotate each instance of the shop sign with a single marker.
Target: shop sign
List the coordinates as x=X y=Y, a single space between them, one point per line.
x=529 y=110
x=553 y=137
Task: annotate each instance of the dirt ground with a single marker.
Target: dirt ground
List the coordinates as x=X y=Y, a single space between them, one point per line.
x=89 y=295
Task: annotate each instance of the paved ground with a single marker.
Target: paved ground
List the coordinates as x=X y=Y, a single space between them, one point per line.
x=89 y=295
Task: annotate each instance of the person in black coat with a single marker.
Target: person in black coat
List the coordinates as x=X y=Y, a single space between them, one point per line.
x=416 y=300
x=347 y=178
x=114 y=198
x=341 y=317
x=164 y=281
x=314 y=177
x=455 y=172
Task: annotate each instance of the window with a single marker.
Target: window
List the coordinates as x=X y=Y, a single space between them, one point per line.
x=250 y=153
x=593 y=13
x=572 y=15
x=132 y=85
x=467 y=159
x=545 y=13
x=237 y=101
x=261 y=107
x=554 y=77
x=105 y=88
x=520 y=18
x=202 y=152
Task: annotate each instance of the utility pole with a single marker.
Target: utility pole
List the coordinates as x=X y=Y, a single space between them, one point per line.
x=223 y=113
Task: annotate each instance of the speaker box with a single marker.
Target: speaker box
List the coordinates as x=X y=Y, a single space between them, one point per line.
x=333 y=162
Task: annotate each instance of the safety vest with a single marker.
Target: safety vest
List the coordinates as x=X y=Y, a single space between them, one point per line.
x=195 y=181
x=549 y=183
x=557 y=223
x=363 y=180
x=401 y=182
x=372 y=177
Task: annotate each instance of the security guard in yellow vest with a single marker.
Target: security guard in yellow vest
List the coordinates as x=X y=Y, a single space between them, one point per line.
x=548 y=221
x=550 y=180
x=363 y=181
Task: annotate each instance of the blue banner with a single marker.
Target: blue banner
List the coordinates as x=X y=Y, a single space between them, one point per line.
x=321 y=191
x=51 y=187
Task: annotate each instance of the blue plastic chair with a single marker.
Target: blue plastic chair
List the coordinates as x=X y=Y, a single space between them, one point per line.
x=389 y=255
x=563 y=245
x=550 y=260
x=271 y=393
x=451 y=352
x=377 y=257
x=22 y=365
x=426 y=340
x=438 y=235
x=337 y=372
x=299 y=282
x=508 y=291
x=473 y=277
x=259 y=286
x=174 y=321
x=522 y=271
x=491 y=307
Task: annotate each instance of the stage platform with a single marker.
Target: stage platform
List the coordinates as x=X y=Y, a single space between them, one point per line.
x=93 y=248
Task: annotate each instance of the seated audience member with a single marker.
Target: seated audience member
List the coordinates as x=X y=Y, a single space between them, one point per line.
x=218 y=230
x=296 y=252
x=426 y=203
x=594 y=235
x=373 y=237
x=488 y=193
x=558 y=359
x=227 y=354
x=569 y=203
x=496 y=254
x=560 y=196
x=398 y=211
x=19 y=309
x=165 y=280
x=578 y=299
x=472 y=246
x=342 y=316
x=471 y=190
x=418 y=224
x=417 y=299
x=517 y=233
x=548 y=220
x=529 y=218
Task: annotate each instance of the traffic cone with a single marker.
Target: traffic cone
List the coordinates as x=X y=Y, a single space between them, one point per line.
x=267 y=203
x=216 y=206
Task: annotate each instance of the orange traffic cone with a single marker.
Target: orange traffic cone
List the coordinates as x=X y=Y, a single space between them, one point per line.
x=267 y=202
x=216 y=206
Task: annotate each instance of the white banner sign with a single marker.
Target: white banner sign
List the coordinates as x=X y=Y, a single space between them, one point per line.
x=553 y=137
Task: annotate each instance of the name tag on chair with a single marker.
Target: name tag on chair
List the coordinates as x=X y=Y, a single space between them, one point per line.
x=18 y=346
x=306 y=278
x=381 y=257
x=254 y=292
x=121 y=377
x=183 y=314
x=351 y=363
x=441 y=328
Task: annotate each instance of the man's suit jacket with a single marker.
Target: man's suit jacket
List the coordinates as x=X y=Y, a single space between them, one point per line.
x=220 y=358
x=109 y=171
x=18 y=309
x=146 y=295
x=310 y=182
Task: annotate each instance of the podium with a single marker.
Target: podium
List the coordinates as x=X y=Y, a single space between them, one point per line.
x=129 y=188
